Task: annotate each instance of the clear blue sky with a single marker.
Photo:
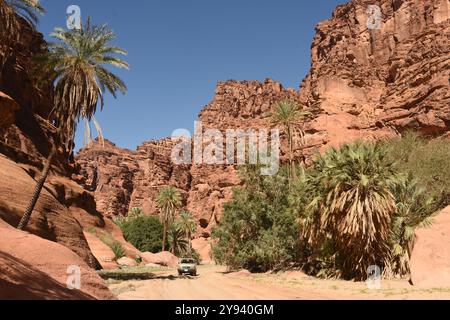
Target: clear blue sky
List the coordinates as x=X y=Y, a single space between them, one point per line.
x=179 y=49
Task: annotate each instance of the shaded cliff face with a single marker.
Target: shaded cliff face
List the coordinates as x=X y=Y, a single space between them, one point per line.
x=363 y=83
x=25 y=141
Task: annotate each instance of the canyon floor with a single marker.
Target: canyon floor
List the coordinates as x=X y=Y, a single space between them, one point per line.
x=214 y=283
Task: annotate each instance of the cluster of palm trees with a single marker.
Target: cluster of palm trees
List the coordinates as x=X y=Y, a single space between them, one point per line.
x=178 y=231
x=77 y=66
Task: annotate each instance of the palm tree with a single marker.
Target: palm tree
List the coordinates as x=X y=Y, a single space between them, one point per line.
x=188 y=226
x=288 y=114
x=168 y=200
x=177 y=242
x=352 y=205
x=11 y=12
x=77 y=63
x=414 y=209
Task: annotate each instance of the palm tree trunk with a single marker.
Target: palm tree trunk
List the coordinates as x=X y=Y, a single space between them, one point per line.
x=37 y=190
x=164 y=237
x=189 y=243
x=289 y=133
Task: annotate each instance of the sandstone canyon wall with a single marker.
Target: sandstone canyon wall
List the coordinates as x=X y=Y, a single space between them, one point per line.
x=34 y=263
x=363 y=83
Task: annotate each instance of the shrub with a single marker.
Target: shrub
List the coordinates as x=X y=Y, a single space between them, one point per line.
x=115 y=245
x=133 y=214
x=118 y=250
x=351 y=203
x=257 y=231
x=358 y=208
x=427 y=160
x=144 y=232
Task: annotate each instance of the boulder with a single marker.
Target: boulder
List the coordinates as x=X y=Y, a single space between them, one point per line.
x=127 y=262
x=165 y=259
x=101 y=251
x=430 y=259
x=22 y=281
x=203 y=247
x=51 y=219
x=42 y=269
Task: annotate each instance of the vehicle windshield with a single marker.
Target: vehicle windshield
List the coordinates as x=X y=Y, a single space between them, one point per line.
x=187 y=261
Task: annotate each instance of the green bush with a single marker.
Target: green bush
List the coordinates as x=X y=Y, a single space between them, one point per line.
x=118 y=250
x=427 y=160
x=257 y=232
x=144 y=232
x=359 y=206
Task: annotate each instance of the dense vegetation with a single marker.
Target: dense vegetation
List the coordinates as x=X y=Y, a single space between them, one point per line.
x=355 y=207
x=153 y=234
x=144 y=232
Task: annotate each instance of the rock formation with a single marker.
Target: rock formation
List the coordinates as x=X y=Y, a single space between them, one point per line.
x=35 y=268
x=55 y=239
x=364 y=83
x=25 y=141
x=430 y=258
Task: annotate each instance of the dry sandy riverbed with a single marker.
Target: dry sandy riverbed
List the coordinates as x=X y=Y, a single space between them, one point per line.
x=213 y=283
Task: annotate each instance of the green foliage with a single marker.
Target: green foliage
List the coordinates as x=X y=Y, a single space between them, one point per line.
x=177 y=241
x=77 y=64
x=289 y=115
x=133 y=214
x=351 y=203
x=196 y=256
x=118 y=250
x=427 y=160
x=414 y=209
x=115 y=245
x=144 y=232
x=257 y=231
x=358 y=208
x=355 y=207
x=186 y=224
x=168 y=201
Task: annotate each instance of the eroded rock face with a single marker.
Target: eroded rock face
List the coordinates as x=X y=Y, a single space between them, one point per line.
x=363 y=84
x=381 y=81
x=8 y=108
x=35 y=268
x=123 y=179
x=25 y=142
x=430 y=258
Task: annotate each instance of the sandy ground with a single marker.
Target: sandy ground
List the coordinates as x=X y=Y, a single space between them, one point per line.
x=213 y=283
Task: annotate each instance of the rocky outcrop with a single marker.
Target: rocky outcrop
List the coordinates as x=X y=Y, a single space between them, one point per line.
x=35 y=268
x=25 y=141
x=375 y=82
x=8 y=108
x=364 y=84
x=430 y=258
x=123 y=179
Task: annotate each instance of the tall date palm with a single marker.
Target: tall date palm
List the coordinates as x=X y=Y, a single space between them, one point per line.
x=78 y=63
x=288 y=114
x=168 y=200
x=187 y=225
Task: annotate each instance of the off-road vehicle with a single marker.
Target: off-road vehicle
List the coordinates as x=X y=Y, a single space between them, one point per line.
x=187 y=266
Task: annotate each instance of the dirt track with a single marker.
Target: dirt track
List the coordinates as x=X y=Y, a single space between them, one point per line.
x=214 y=284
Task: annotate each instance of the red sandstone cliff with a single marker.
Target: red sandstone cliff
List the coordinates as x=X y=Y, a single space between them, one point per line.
x=56 y=240
x=363 y=84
